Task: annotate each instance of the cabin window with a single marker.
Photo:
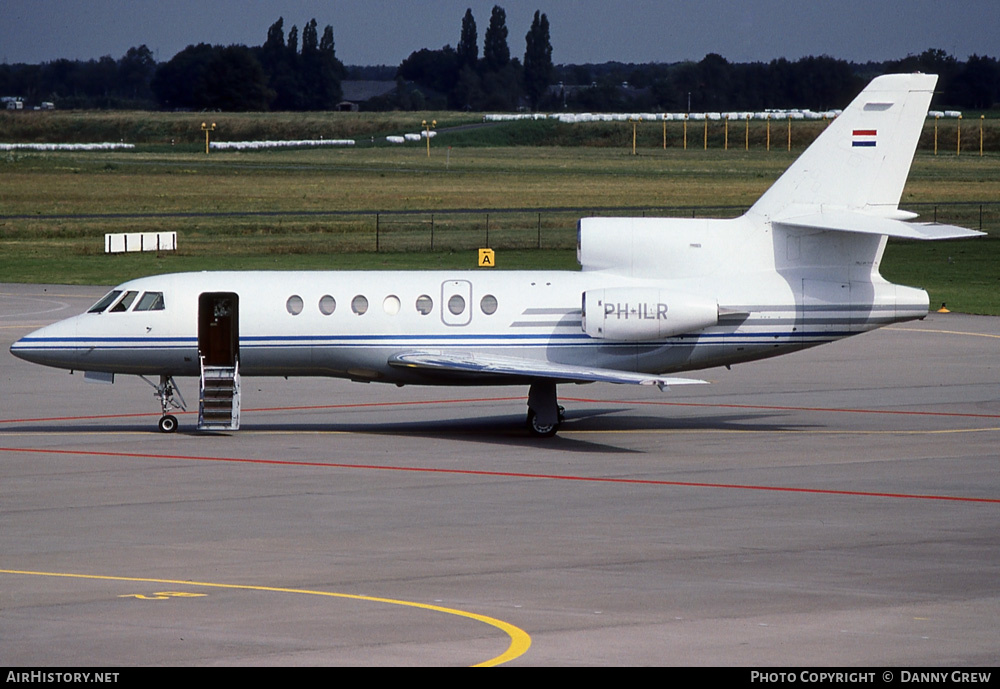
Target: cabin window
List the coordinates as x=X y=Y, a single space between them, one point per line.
x=327 y=304
x=150 y=301
x=488 y=304
x=294 y=305
x=391 y=305
x=105 y=301
x=125 y=302
x=359 y=304
x=456 y=304
x=424 y=304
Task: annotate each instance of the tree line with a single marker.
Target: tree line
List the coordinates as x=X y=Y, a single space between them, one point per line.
x=458 y=79
x=302 y=72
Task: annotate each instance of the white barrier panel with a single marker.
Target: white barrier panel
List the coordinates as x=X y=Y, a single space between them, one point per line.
x=255 y=145
x=66 y=147
x=139 y=241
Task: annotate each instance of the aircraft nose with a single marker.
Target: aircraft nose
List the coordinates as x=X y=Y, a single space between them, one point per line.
x=51 y=346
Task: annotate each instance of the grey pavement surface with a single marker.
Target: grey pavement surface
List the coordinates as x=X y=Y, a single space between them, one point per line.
x=838 y=506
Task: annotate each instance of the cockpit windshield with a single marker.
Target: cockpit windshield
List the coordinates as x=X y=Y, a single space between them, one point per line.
x=125 y=302
x=149 y=301
x=105 y=301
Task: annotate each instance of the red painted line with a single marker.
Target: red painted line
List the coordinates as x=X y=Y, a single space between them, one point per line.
x=761 y=407
x=505 y=474
x=88 y=418
x=263 y=409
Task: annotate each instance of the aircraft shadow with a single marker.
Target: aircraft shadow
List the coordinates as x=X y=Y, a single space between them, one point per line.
x=506 y=430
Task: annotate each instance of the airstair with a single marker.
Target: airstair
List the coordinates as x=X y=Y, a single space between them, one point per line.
x=219 y=407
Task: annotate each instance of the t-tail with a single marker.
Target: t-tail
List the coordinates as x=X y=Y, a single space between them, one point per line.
x=851 y=178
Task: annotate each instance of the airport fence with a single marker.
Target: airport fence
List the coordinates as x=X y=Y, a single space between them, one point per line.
x=556 y=228
x=505 y=229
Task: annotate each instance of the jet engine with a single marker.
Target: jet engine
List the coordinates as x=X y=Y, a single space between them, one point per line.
x=637 y=314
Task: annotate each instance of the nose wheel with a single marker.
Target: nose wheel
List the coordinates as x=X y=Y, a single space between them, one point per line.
x=168 y=423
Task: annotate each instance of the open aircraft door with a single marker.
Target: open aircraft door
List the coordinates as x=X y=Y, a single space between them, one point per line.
x=219 y=352
x=219 y=328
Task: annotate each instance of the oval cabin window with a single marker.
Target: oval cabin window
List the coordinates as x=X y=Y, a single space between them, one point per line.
x=359 y=304
x=327 y=305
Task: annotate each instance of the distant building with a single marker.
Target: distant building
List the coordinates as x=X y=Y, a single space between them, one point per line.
x=358 y=92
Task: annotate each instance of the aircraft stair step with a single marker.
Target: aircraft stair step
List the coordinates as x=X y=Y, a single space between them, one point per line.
x=219 y=403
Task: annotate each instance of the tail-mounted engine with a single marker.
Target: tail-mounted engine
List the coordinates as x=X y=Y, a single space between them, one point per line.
x=636 y=314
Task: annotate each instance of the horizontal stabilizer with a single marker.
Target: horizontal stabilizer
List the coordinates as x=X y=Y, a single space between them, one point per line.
x=477 y=365
x=848 y=221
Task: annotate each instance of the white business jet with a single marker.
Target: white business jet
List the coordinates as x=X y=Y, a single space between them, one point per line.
x=655 y=296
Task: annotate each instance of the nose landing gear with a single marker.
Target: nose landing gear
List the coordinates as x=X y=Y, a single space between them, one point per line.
x=165 y=392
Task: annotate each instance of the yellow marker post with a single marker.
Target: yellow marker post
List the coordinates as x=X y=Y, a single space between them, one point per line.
x=664 y=132
x=769 y=131
x=427 y=132
x=748 y=133
x=487 y=258
x=981 y=119
x=686 y=132
x=206 y=128
x=706 y=132
x=958 y=147
x=789 y=132
x=726 y=144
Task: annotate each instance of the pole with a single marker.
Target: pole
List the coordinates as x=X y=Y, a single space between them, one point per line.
x=936 y=118
x=206 y=128
x=958 y=150
x=427 y=131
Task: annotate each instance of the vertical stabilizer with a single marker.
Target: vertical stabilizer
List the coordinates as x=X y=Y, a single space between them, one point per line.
x=860 y=162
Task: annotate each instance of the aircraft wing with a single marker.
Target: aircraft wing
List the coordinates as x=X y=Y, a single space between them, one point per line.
x=847 y=221
x=514 y=367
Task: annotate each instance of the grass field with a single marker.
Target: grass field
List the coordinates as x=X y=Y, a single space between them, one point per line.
x=275 y=209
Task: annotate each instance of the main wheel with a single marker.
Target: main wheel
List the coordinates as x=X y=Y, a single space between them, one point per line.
x=540 y=430
x=168 y=423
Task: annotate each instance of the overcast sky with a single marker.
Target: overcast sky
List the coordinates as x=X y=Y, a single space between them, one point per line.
x=369 y=32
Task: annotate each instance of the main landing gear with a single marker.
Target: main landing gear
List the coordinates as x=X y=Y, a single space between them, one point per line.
x=165 y=392
x=544 y=412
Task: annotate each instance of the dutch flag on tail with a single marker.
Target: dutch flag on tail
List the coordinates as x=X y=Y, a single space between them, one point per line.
x=864 y=138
